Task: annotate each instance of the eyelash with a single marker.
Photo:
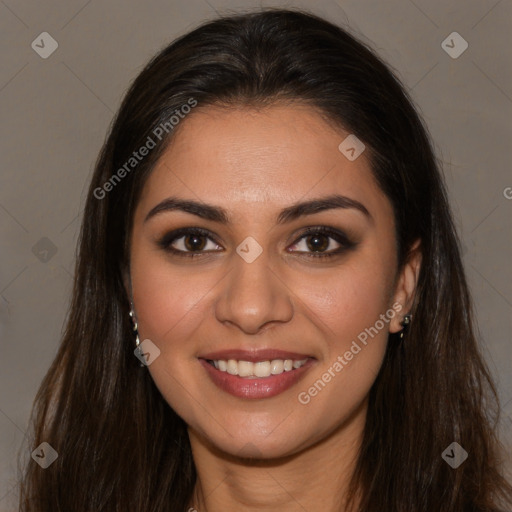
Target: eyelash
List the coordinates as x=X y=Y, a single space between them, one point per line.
x=346 y=244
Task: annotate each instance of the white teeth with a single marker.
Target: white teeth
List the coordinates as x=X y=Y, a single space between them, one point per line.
x=276 y=367
x=259 y=369
x=262 y=369
x=245 y=368
x=232 y=367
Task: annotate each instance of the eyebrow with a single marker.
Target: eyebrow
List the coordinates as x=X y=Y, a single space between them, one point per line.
x=288 y=214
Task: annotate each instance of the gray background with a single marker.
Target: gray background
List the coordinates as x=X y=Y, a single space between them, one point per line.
x=56 y=111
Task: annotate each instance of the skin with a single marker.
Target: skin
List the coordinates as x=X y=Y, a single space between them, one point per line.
x=273 y=454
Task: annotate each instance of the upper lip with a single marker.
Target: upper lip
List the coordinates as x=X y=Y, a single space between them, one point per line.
x=253 y=356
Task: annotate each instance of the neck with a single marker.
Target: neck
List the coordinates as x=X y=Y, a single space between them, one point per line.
x=314 y=478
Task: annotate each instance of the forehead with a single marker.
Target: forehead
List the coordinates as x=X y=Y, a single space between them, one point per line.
x=244 y=158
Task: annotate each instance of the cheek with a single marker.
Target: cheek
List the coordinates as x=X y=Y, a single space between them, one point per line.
x=170 y=302
x=169 y=298
x=352 y=310
x=348 y=300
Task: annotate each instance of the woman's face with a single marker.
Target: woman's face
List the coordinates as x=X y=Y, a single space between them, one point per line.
x=258 y=288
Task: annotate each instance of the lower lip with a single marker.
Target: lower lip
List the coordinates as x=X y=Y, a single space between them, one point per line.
x=258 y=387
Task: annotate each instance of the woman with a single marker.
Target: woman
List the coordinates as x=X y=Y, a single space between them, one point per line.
x=270 y=310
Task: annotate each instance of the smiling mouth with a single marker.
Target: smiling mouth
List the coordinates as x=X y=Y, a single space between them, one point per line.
x=258 y=369
x=257 y=379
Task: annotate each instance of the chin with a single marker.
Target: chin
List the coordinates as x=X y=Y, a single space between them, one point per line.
x=252 y=444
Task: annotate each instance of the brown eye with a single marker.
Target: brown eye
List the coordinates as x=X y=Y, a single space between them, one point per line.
x=188 y=242
x=318 y=242
x=194 y=242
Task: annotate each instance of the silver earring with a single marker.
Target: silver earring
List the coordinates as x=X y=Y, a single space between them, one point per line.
x=405 y=323
x=135 y=329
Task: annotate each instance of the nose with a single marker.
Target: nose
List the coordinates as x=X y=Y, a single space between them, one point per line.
x=253 y=295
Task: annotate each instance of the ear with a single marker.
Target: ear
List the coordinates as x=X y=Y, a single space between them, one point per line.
x=405 y=288
x=127 y=282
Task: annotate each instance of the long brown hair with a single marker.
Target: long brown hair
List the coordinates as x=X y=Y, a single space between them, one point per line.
x=120 y=445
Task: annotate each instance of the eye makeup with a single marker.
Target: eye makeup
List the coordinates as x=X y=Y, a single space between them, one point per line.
x=167 y=241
